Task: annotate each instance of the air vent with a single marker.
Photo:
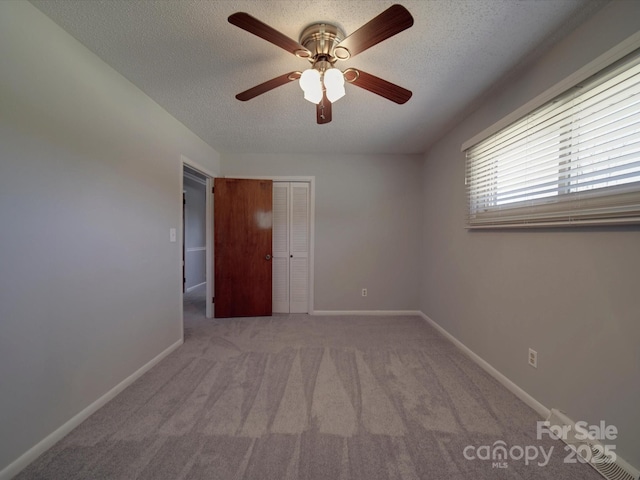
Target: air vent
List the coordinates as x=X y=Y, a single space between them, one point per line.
x=592 y=451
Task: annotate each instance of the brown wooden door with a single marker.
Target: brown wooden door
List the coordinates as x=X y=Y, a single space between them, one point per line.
x=242 y=243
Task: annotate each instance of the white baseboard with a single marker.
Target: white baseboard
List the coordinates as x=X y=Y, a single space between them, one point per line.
x=50 y=440
x=512 y=387
x=393 y=313
x=191 y=289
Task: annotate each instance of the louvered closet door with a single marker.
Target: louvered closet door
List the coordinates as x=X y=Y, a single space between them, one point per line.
x=280 y=247
x=291 y=247
x=299 y=248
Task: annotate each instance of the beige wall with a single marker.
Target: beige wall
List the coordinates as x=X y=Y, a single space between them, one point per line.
x=572 y=295
x=90 y=168
x=367 y=224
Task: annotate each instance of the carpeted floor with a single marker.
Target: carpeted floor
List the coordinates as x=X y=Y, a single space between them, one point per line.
x=302 y=397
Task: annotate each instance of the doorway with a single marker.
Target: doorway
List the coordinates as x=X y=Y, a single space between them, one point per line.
x=194 y=241
x=293 y=256
x=299 y=263
x=196 y=236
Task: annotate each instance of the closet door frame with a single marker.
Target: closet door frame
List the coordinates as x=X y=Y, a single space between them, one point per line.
x=311 y=180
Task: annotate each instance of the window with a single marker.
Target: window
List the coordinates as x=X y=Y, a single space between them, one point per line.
x=573 y=160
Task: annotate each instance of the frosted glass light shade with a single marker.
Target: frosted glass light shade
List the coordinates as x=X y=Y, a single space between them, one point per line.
x=311 y=85
x=334 y=84
x=314 y=96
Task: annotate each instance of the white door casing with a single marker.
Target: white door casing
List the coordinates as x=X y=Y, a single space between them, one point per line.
x=210 y=175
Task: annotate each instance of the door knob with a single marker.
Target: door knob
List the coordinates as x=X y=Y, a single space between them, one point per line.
x=268 y=257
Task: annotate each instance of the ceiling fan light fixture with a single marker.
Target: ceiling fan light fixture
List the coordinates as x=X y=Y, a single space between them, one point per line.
x=311 y=85
x=314 y=97
x=323 y=44
x=334 y=84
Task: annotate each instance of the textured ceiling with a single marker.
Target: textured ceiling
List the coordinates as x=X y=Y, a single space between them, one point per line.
x=189 y=59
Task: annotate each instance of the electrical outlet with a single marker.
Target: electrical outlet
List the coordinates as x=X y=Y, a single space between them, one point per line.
x=364 y=292
x=533 y=358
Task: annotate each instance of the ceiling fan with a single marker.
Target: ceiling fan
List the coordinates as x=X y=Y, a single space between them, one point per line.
x=323 y=44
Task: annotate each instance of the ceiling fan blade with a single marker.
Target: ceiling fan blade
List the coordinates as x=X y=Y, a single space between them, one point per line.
x=323 y=110
x=377 y=85
x=268 y=85
x=253 y=25
x=393 y=20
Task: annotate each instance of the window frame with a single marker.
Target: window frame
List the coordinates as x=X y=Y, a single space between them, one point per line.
x=542 y=214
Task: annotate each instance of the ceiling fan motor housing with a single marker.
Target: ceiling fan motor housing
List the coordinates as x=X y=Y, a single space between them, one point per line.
x=321 y=40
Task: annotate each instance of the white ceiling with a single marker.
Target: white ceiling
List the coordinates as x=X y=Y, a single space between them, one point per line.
x=189 y=59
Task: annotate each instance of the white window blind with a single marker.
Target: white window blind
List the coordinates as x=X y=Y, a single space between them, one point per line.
x=574 y=160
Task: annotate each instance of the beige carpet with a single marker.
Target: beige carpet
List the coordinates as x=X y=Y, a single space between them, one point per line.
x=301 y=397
